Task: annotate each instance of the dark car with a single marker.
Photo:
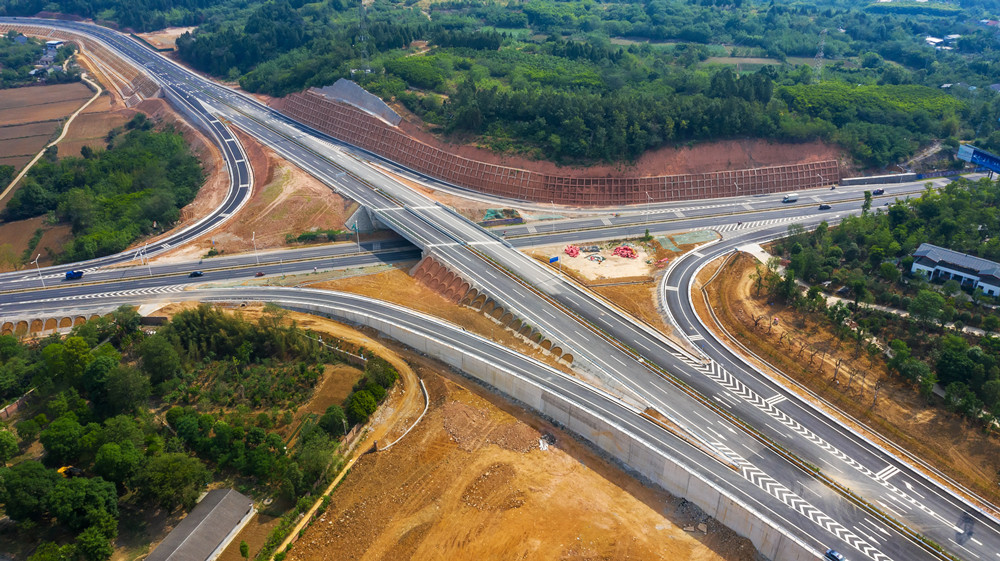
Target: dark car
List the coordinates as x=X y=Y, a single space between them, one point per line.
x=832 y=555
x=196 y=274
x=878 y=192
x=824 y=207
x=259 y=274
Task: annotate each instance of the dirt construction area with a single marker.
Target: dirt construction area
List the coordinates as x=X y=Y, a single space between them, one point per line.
x=481 y=479
x=804 y=348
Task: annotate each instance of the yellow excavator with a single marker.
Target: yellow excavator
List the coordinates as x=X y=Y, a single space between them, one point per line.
x=70 y=472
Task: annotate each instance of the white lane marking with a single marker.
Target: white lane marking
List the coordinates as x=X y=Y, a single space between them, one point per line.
x=776 y=399
x=671 y=288
x=887 y=472
x=696 y=338
x=876 y=526
x=910 y=487
x=887 y=507
x=963 y=547
x=606 y=221
x=679 y=214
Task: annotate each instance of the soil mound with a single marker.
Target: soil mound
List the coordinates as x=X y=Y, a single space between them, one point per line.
x=494 y=490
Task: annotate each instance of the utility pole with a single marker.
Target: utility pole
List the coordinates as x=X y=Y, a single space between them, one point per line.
x=253 y=238
x=649 y=200
x=145 y=257
x=37 y=268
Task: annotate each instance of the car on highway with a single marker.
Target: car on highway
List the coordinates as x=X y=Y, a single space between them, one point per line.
x=196 y=274
x=259 y=274
x=824 y=207
x=832 y=555
x=73 y=275
x=878 y=192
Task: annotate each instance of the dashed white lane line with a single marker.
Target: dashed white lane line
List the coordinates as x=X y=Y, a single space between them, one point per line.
x=679 y=214
x=671 y=288
x=963 y=547
x=606 y=221
x=890 y=509
x=876 y=526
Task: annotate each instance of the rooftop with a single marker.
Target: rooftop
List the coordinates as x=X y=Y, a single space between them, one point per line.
x=948 y=257
x=205 y=528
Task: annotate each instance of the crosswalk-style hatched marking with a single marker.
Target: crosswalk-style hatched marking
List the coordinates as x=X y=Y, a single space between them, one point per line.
x=134 y=292
x=760 y=223
x=56 y=275
x=757 y=477
x=721 y=376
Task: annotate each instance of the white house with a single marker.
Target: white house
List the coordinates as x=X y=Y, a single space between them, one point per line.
x=939 y=263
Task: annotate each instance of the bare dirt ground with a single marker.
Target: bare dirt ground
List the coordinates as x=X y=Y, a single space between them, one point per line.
x=166 y=38
x=613 y=266
x=91 y=127
x=630 y=284
x=807 y=351
x=286 y=200
x=41 y=103
x=397 y=286
x=470 y=482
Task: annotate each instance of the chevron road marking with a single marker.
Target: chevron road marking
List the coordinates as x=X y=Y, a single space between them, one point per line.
x=765 y=482
x=118 y=293
x=718 y=374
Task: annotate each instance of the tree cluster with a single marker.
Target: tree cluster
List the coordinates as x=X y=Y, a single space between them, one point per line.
x=94 y=391
x=112 y=197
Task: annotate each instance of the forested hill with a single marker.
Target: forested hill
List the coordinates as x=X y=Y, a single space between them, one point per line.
x=583 y=81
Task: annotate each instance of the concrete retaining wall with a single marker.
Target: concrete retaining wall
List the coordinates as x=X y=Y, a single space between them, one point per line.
x=663 y=470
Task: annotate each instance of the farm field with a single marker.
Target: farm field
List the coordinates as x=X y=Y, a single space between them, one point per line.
x=30 y=118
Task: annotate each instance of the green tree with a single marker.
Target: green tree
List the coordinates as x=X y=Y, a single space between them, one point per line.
x=79 y=502
x=62 y=440
x=118 y=463
x=889 y=272
x=94 y=545
x=25 y=488
x=926 y=305
x=867 y=205
x=950 y=287
x=49 y=551
x=333 y=420
x=8 y=447
x=128 y=390
x=359 y=406
x=174 y=479
x=244 y=549
x=159 y=359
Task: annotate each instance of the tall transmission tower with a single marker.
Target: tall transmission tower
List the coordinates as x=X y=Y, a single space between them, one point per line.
x=361 y=41
x=818 y=65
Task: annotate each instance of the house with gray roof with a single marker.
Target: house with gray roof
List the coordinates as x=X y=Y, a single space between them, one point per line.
x=207 y=530
x=972 y=272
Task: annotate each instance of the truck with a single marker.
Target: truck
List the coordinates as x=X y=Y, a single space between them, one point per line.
x=790 y=198
x=73 y=275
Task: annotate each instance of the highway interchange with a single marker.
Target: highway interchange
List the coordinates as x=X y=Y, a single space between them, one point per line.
x=713 y=400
